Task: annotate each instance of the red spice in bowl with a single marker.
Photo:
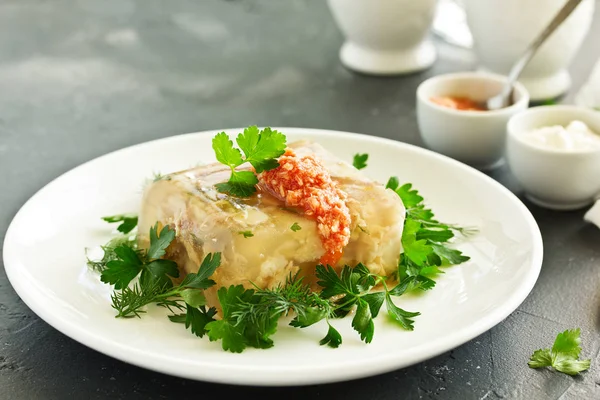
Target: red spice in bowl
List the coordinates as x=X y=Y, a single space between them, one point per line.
x=457 y=103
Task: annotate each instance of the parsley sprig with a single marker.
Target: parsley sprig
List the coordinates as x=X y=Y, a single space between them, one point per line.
x=424 y=239
x=155 y=284
x=128 y=224
x=250 y=316
x=108 y=251
x=149 y=265
x=261 y=149
x=564 y=355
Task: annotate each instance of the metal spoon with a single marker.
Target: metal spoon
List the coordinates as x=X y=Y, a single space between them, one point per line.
x=504 y=99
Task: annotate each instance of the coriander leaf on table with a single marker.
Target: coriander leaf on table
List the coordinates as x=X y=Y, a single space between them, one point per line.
x=564 y=355
x=568 y=343
x=360 y=161
x=128 y=221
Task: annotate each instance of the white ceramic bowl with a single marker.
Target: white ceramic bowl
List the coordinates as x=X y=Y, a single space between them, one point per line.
x=474 y=137
x=556 y=179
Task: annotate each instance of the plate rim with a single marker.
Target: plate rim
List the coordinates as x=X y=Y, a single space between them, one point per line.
x=375 y=365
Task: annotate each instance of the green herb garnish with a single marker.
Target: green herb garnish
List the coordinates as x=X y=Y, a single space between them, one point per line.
x=295 y=227
x=109 y=251
x=424 y=239
x=246 y=234
x=128 y=222
x=261 y=149
x=564 y=355
x=360 y=161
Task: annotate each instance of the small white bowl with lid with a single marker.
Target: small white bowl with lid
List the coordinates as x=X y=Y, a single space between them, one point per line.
x=557 y=169
x=477 y=138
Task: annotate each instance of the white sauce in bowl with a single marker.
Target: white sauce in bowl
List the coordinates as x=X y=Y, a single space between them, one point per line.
x=573 y=137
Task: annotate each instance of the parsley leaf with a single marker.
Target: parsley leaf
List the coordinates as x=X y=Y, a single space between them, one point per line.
x=201 y=280
x=161 y=272
x=197 y=319
x=363 y=321
x=451 y=255
x=159 y=241
x=155 y=284
x=247 y=234
x=261 y=149
x=352 y=288
x=375 y=301
x=410 y=198
x=225 y=329
x=230 y=335
x=295 y=227
x=108 y=251
x=123 y=270
x=403 y=318
x=128 y=221
x=241 y=184
x=417 y=251
x=360 y=161
x=424 y=239
x=564 y=355
x=332 y=339
x=225 y=152
x=193 y=298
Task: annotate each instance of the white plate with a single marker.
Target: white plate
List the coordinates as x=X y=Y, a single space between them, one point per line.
x=45 y=262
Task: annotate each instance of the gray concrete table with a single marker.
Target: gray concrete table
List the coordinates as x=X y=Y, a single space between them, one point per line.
x=82 y=78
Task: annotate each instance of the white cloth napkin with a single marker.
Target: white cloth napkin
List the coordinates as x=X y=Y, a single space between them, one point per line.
x=593 y=215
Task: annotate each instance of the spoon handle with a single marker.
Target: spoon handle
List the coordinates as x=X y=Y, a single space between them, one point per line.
x=530 y=51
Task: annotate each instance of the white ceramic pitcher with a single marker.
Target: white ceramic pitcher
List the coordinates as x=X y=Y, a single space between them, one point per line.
x=385 y=37
x=502 y=29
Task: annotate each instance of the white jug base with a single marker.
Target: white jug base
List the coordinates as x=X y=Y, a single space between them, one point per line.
x=387 y=62
x=558 y=206
x=543 y=87
x=593 y=214
x=547 y=87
